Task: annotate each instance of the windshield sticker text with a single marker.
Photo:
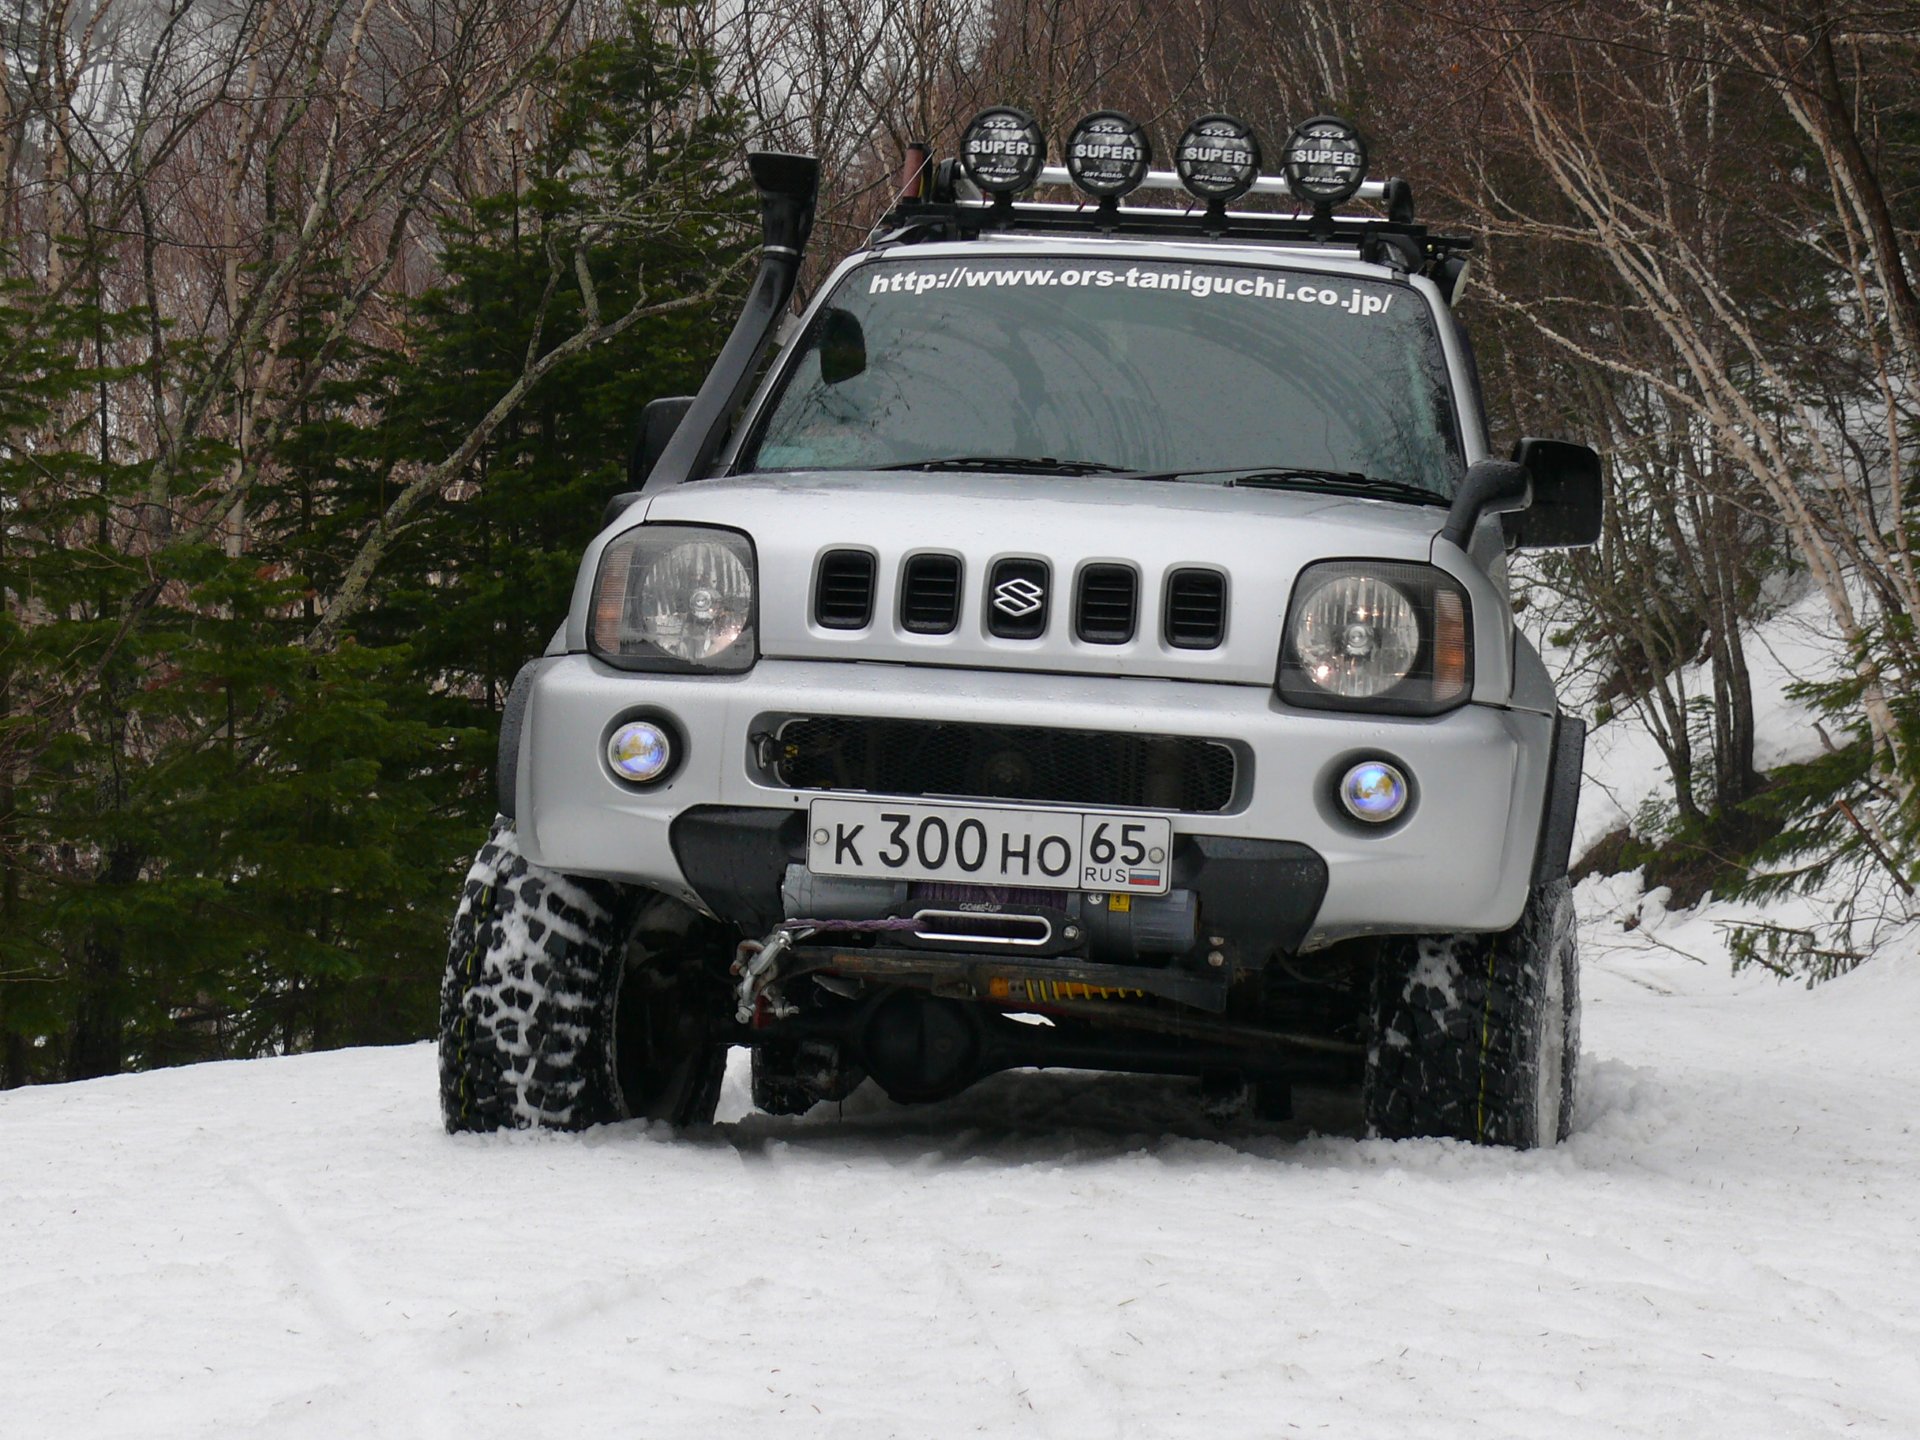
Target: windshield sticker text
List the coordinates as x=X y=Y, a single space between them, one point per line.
x=1351 y=299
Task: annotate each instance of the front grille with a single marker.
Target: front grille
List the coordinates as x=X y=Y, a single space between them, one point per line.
x=1104 y=615
x=930 y=595
x=1018 y=599
x=1196 y=616
x=1001 y=762
x=843 y=590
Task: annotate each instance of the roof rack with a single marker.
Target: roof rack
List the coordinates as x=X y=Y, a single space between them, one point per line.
x=954 y=209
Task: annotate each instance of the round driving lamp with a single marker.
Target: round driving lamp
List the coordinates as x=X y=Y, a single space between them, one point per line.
x=1002 y=150
x=1374 y=791
x=1218 y=159
x=1108 y=154
x=640 y=751
x=1326 y=161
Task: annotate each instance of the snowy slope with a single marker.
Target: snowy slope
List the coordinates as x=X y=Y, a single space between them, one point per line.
x=1624 y=768
x=291 y=1247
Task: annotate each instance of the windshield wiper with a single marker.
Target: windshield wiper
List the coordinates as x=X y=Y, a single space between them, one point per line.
x=1012 y=464
x=1333 y=482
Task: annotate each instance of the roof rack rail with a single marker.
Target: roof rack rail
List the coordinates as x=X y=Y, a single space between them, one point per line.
x=1263 y=185
x=1403 y=245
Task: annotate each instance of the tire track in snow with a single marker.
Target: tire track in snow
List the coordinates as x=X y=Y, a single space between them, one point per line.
x=322 y=1274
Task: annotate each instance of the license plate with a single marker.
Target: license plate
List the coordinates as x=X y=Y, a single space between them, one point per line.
x=1031 y=849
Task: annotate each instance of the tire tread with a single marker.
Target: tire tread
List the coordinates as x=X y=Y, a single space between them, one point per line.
x=1455 y=1040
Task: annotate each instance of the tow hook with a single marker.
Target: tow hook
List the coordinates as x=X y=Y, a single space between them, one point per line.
x=757 y=963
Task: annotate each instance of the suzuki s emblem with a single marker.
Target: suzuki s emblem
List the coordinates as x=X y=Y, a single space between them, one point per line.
x=1018 y=598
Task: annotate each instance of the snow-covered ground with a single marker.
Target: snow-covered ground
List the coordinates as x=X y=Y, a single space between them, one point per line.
x=292 y=1247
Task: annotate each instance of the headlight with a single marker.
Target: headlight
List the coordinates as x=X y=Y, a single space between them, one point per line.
x=1378 y=636
x=675 y=597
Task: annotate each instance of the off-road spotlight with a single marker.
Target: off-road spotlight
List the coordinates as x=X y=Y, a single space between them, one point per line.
x=1218 y=159
x=1374 y=791
x=1326 y=161
x=640 y=751
x=1002 y=150
x=1108 y=154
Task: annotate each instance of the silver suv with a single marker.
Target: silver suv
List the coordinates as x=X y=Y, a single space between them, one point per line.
x=1086 y=642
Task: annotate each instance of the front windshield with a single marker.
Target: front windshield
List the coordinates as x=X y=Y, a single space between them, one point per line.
x=1133 y=365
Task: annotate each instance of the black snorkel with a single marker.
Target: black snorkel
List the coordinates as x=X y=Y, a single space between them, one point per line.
x=788 y=185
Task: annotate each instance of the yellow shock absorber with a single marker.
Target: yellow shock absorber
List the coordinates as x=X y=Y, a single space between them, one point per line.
x=1041 y=992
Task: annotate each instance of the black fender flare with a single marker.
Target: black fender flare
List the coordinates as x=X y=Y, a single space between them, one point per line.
x=513 y=715
x=1554 y=851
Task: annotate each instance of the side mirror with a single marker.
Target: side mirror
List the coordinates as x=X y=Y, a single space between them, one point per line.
x=657 y=424
x=1566 y=496
x=843 y=347
x=1499 y=486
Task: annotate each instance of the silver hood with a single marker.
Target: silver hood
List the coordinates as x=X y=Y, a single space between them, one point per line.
x=1260 y=539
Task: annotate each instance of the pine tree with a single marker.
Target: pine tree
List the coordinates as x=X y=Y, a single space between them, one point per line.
x=221 y=836
x=631 y=185
x=634 y=183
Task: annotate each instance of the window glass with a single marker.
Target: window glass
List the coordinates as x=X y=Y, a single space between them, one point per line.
x=1141 y=365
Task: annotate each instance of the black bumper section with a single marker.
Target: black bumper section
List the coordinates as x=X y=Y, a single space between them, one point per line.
x=735 y=858
x=1257 y=895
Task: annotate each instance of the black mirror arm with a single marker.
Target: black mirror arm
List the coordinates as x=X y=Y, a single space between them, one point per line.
x=1498 y=486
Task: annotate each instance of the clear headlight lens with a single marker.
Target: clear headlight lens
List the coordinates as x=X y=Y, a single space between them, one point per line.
x=1377 y=635
x=675 y=597
x=1357 y=636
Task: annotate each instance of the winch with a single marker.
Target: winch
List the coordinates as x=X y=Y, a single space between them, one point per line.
x=1109 y=928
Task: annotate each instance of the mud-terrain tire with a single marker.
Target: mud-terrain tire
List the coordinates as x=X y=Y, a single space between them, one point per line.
x=553 y=1017
x=1477 y=1037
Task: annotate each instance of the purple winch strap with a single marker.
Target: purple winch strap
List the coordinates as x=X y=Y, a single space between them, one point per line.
x=859 y=927
x=943 y=892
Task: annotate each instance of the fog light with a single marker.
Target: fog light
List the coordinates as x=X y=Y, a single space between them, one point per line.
x=639 y=751
x=1374 y=791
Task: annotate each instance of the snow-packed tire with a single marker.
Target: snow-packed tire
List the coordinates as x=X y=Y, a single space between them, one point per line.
x=552 y=1014
x=1477 y=1037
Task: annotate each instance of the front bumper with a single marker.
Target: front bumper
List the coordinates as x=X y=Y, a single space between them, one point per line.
x=1460 y=859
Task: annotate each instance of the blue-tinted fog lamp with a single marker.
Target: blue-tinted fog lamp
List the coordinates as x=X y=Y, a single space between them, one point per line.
x=1374 y=791
x=640 y=751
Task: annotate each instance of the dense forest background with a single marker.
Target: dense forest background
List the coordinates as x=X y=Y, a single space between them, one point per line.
x=325 y=325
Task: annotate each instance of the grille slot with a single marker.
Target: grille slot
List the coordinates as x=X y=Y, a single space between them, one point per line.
x=1109 y=596
x=946 y=760
x=1018 y=599
x=843 y=590
x=930 y=595
x=1196 y=610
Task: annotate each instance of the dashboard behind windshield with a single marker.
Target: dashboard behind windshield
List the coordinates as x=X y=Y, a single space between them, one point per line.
x=1151 y=366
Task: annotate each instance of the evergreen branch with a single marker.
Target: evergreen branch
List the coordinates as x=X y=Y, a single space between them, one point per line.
x=355 y=585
